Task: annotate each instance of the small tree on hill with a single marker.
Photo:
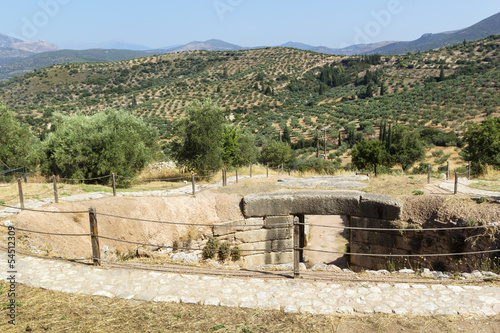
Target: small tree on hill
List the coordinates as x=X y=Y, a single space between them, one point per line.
x=368 y=154
x=199 y=143
x=277 y=153
x=483 y=144
x=19 y=147
x=404 y=148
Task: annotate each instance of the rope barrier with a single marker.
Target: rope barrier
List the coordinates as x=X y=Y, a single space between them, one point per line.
x=34 y=195
x=46 y=233
x=8 y=185
x=155 y=180
x=85 y=179
x=181 y=248
x=46 y=211
x=44 y=257
x=193 y=224
x=403 y=255
x=5 y=200
x=408 y=229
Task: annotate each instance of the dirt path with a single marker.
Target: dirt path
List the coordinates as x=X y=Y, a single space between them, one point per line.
x=327 y=239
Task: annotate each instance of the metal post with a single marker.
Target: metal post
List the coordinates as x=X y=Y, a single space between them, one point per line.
x=94 y=237
x=429 y=174
x=456 y=183
x=296 y=248
x=54 y=183
x=193 y=184
x=447 y=170
x=113 y=179
x=21 y=196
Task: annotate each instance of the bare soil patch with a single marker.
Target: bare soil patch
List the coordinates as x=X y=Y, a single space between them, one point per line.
x=205 y=208
x=327 y=239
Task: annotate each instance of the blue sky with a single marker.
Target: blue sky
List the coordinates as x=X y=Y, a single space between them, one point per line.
x=159 y=23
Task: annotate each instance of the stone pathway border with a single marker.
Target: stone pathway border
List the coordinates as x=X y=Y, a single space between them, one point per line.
x=276 y=294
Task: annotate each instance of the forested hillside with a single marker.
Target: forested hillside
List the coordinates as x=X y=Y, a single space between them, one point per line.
x=266 y=90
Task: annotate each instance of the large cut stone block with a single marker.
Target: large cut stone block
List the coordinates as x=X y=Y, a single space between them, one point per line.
x=254 y=236
x=239 y=225
x=351 y=203
x=380 y=206
x=273 y=258
x=249 y=249
x=278 y=221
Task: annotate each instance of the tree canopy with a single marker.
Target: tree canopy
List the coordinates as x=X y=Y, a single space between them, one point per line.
x=277 y=153
x=368 y=154
x=19 y=147
x=405 y=149
x=85 y=147
x=483 y=144
x=199 y=139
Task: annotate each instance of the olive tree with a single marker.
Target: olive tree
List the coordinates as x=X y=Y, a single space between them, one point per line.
x=199 y=141
x=19 y=147
x=88 y=147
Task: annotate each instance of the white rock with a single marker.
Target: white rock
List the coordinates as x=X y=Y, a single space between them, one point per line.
x=184 y=257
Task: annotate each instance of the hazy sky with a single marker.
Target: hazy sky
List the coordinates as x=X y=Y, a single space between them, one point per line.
x=158 y=23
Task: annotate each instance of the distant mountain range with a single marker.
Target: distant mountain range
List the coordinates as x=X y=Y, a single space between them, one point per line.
x=18 y=57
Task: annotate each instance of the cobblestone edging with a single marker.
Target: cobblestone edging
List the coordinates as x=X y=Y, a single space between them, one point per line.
x=284 y=295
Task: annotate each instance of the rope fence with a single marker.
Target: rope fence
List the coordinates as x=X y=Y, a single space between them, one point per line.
x=297 y=250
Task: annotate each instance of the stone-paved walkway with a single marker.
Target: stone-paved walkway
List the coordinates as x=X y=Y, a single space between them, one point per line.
x=275 y=294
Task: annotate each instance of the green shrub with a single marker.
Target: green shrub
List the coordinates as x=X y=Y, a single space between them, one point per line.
x=235 y=253
x=211 y=248
x=224 y=250
x=417 y=192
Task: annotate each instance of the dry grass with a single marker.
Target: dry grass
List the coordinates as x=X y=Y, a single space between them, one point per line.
x=43 y=310
x=395 y=185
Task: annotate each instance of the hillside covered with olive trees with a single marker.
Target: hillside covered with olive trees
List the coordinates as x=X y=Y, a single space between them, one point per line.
x=277 y=92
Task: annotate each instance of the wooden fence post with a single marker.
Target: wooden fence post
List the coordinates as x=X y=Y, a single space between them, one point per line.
x=429 y=174
x=193 y=183
x=113 y=181
x=447 y=170
x=251 y=170
x=296 y=246
x=54 y=184
x=456 y=183
x=267 y=170
x=236 y=176
x=94 y=237
x=21 y=196
x=468 y=171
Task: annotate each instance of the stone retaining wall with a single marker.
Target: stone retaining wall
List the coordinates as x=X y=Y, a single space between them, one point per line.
x=262 y=240
x=420 y=242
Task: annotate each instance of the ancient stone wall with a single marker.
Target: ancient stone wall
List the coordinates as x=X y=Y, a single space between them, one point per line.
x=416 y=241
x=262 y=240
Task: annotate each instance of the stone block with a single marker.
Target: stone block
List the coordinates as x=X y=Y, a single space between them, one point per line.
x=235 y=226
x=226 y=228
x=248 y=249
x=277 y=221
x=380 y=206
x=273 y=258
x=282 y=245
x=262 y=235
x=351 y=203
